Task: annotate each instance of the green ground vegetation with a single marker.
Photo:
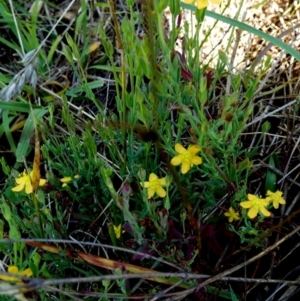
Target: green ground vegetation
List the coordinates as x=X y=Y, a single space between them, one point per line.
x=130 y=169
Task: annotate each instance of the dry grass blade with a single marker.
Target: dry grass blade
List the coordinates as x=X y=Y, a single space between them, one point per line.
x=110 y=264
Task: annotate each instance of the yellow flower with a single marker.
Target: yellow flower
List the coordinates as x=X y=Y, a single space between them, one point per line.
x=255 y=205
x=67 y=180
x=187 y=158
x=25 y=181
x=155 y=186
x=15 y=270
x=276 y=198
x=118 y=231
x=201 y=3
x=232 y=215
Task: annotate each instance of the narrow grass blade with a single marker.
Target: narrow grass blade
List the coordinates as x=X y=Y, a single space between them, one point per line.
x=17 y=106
x=24 y=143
x=271 y=176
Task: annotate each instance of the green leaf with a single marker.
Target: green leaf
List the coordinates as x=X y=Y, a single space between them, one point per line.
x=106 y=284
x=5 y=210
x=68 y=53
x=27 y=133
x=112 y=234
x=53 y=48
x=17 y=106
x=5 y=167
x=35 y=261
x=233 y=295
x=215 y=291
x=1 y=233
x=174 y=7
x=72 y=44
x=266 y=127
x=91 y=85
x=271 y=176
x=5 y=125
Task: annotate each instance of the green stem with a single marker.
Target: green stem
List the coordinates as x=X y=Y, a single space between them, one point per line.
x=38 y=213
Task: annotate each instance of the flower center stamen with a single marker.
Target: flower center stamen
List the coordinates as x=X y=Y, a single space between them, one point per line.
x=256 y=203
x=187 y=156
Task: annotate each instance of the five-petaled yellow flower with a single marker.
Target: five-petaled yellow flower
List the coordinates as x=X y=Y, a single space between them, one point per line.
x=155 y=186
x=25 y=181
x=186 y=157
x=255 y=205
x=15 y=270
x=276 y=198
x=201 y=3
x=232 y=215
x=67 y=180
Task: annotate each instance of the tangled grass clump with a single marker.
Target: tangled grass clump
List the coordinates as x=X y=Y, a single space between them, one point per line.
x=135 y=168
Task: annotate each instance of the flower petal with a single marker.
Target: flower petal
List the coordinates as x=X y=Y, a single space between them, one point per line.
x=145 y=184
x=179 y=148
x=21 y=180
x=185 y=167
x=42 y=182
x=265 y=201
x=19 y=188
x=117 y=230
x=27 y=273
x=264 y=211
x=202 y=4
x=153 y=177
x=230 y=218
x=28 y=188
x=196 y=160
x=194 y=149
x=162 y=181
x=66 y=179
x=151 y=192
x=282 y=201
x=251 y=197
x=8 y=278
x=246 y=205
x=236 y=216
x=275 y=204
x=176 y=160
x=160 y=191
x=13 y=269
x=252 y=213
